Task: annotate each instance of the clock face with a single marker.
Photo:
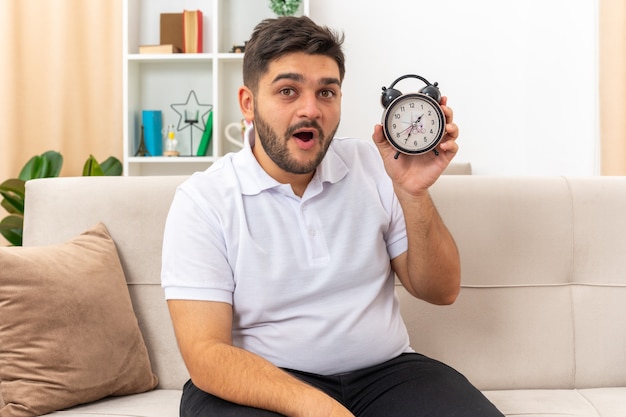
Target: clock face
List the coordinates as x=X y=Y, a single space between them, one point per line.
x=414 y=123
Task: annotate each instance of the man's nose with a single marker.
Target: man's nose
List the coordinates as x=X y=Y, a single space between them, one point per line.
x=309 y=106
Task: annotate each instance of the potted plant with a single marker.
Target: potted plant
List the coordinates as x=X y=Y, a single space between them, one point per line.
x=284 y=7
x=46 y=165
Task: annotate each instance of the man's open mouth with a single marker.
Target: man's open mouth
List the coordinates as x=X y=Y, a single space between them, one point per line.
x=304 y=136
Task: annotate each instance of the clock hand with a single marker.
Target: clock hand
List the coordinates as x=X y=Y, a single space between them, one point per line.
x=412 y=124
x=409 y=135
x=408 y=128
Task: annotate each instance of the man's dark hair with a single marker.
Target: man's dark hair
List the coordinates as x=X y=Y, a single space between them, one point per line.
x=273 y=38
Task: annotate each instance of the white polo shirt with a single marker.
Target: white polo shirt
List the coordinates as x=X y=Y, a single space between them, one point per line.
x=309 y=278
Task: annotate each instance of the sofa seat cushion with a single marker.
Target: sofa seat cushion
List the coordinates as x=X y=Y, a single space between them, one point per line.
x=158 y=403
x=609 y=402
x=596 y=402
x=68 y=332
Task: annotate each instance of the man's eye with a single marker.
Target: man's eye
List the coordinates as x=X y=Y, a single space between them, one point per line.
x=327 y=93
x=287 y=92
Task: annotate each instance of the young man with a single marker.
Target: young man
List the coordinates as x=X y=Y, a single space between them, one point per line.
x=279 y=260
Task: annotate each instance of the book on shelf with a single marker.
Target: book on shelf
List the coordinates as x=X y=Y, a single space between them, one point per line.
x=192 y=31
x=159 y=49
x=206 y=136
x=171 y=30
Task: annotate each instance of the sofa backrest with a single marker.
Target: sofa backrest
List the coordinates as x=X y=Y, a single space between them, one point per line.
x=134 y=211
x=543 y=301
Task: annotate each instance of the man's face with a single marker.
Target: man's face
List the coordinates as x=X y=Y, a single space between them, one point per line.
x=296 y=113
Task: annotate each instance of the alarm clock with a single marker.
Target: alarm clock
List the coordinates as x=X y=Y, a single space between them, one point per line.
x=413 y=123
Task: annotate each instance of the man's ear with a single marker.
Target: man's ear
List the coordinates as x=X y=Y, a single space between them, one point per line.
x=246 y=103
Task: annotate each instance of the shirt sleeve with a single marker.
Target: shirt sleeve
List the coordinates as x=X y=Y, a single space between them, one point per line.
x=396 y=237
x=194 y=256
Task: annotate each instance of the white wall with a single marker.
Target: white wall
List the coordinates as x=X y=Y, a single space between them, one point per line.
x=521 y=76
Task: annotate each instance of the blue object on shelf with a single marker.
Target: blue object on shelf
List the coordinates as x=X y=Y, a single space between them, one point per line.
x=152 y=125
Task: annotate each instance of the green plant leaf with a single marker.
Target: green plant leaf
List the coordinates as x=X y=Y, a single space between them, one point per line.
x=111 y=166
x=92 y=168
x=13 y=192
x=55 y=163
x=31 y=168
x=11 y=228
x=46 y=165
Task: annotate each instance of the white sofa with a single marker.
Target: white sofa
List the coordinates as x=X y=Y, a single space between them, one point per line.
x=539 y=326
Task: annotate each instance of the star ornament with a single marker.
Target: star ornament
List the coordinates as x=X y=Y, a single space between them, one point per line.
x=192 y=113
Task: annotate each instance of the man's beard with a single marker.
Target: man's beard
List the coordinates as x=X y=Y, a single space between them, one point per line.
x=276 y=147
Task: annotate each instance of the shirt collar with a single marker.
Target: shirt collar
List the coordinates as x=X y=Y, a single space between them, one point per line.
x=254 y=179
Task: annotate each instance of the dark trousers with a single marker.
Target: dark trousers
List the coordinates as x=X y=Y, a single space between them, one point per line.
x=410 y=385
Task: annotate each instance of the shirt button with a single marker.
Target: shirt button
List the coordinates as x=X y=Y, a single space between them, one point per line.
x=312 y=233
